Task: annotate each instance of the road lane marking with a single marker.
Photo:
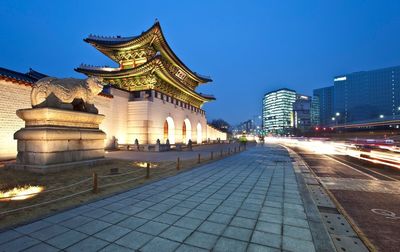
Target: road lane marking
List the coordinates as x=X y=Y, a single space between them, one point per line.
x=366 y=174
x=388 y=214
x=369 y=169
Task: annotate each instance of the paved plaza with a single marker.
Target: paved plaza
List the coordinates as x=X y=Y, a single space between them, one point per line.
x=246 y=202
x=205 y=151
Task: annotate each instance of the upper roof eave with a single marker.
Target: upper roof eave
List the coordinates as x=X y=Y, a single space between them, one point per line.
x=140 y=70
x=120 y=42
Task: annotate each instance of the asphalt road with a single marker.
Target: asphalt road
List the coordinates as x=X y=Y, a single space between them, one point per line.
x=369 y=193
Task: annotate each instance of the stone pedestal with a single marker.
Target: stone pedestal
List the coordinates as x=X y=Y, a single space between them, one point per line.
x=55 y=139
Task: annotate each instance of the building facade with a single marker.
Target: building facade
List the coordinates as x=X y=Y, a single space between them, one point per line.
x=302 y=114
x=277 y=114
x=314 y=112
x=368 y=96
x=325 y=103
x=151 y=96
x=162 y=102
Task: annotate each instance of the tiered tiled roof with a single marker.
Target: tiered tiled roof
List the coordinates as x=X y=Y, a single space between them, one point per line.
x=24 y=78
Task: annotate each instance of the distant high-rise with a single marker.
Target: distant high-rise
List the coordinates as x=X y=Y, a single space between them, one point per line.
x=325 y=103
x=368 y=96
x=278 y=111
x=301 y=114
x=314 y=111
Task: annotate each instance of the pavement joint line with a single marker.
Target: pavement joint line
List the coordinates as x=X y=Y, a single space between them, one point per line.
x=339 y=207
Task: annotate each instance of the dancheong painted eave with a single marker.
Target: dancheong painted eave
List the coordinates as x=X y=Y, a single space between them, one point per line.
x=154 y=37
x=156 y=66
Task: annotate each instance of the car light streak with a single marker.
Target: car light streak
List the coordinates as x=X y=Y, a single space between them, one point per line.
x=372 y=150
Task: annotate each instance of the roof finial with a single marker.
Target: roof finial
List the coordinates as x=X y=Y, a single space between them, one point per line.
x=156 y=20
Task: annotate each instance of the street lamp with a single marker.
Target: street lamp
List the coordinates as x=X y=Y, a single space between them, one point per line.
x=337 y=114
x=333 y=118
x=381 y=116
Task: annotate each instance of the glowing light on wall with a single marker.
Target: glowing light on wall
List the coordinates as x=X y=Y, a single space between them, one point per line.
x=170 y=132
x=199 y=134
x=188 y=131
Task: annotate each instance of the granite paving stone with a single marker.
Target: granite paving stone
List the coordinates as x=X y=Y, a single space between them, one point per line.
x=115 y=248
x=188 y=248
x=65 y=240
x=19 y=244
x=201 y=240
x=32 y=227
x=49 y=232
x=238 y=233
x=89 y=244
x=152 y=227
x=160 y=244
x=112 y=233
x=93 y=227
x=228 y=245
x=212 y=228
x=176 y=233
x=8 y=235
x=134 y=240
x=132 y=222
x=293 y=244
x=42 y=247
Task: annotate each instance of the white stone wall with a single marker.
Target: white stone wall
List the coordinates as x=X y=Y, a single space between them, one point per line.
x=146 y=122
x=124 y=120
x=115 y=110
x=214 y=134
x=13 y=96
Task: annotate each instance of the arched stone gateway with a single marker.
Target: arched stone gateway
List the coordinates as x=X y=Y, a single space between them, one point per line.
x=186 y=131
x=199 y=133
x=169 y=130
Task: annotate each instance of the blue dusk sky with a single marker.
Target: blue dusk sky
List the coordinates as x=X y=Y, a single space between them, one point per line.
x=247 y=47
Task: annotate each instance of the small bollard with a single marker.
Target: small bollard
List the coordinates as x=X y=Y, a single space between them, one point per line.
x=220 y=154
x=239 y=148
x=198 y=159
x=178 y=163
x=229 y=151
x=234 y=150
x=95 y=188
x=148 y=170
x=212 y=155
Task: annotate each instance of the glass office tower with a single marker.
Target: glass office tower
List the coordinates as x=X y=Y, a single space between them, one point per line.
x=325 y=103
x=367 y=96
x=278 y=111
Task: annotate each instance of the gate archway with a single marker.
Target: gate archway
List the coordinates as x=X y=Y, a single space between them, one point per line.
x=186 y=131
x=169 y=130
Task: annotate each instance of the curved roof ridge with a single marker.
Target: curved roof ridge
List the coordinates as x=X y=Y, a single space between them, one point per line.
x=123 y=41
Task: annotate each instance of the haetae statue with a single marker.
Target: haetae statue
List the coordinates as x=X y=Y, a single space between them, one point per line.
x=68 y=94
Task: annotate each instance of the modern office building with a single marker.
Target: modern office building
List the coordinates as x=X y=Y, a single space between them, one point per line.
x=368 y=96
x=314 y=111
x=302 y=114
x=278 y=111
x=325 y=103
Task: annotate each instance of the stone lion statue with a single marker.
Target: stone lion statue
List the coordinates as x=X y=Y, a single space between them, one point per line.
x=69 y=94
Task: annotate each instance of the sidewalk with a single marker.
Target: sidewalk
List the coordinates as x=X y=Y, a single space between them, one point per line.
x=250 y=201
x=204 y=150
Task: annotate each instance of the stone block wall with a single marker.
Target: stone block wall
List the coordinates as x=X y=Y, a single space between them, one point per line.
x=13 y=96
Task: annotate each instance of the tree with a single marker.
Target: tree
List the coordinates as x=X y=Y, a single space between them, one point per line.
x=221 y=125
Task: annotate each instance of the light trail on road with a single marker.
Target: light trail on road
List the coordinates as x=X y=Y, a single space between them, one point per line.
x=374 y=151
